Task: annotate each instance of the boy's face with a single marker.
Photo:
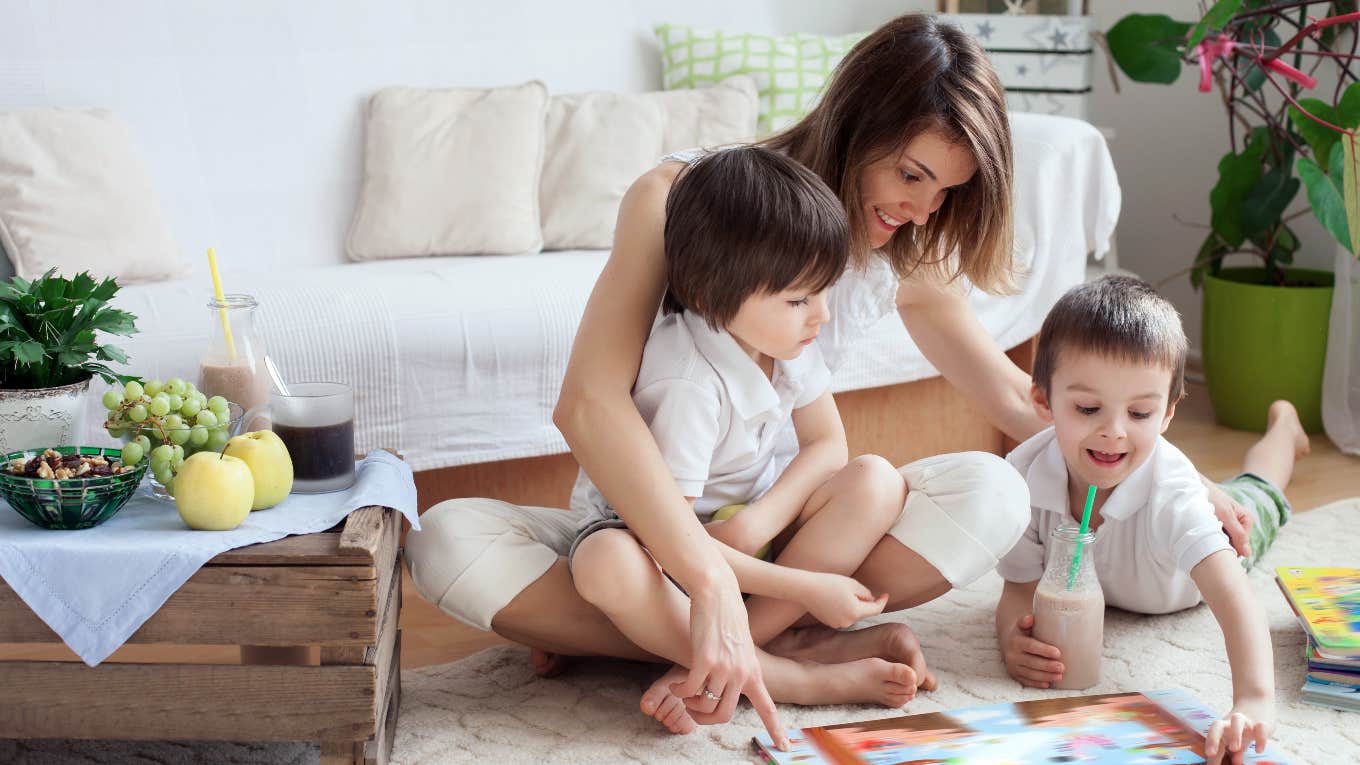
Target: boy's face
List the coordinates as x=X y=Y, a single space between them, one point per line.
x=1108 y=413
x=781 y=324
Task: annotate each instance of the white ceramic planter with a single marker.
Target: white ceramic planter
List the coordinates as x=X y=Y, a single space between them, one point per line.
x=42 y=417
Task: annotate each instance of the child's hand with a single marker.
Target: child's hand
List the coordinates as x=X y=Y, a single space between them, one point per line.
x=839 y=601
x=1249 y=721
x=1030 y=661
x=1236 y=520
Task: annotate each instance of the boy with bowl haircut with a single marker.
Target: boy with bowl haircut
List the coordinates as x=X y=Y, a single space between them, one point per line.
x=752 y=239
x=1108 y=372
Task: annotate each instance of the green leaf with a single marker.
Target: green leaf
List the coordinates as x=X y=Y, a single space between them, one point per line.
x=81 y=286
x=1269 y=197
x=1146 y=47
x=1238 y=175
x=1320 y=139
x=1209 y=254
x=1218 y=16
x=1348 y=108
x=115 y=322
x=1350 y=183
x=1325 y=196
x=30 y=352
x=105 y=290
x=112 y=353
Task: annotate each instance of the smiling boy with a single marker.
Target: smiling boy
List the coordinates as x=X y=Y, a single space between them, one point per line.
x=1108 y=372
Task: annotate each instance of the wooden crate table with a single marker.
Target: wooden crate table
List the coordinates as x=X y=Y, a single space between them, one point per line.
x=339 y=589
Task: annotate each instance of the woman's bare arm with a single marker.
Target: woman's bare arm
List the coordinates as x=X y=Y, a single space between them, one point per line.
x=609 y=439
x=951 y=337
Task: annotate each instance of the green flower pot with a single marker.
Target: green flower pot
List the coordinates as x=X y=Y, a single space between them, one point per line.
x=1263 y=343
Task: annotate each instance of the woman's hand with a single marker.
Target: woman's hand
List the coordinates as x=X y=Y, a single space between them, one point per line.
x=725 y=663
x=839 y=601
x=1251 y=720
x=1029 y=660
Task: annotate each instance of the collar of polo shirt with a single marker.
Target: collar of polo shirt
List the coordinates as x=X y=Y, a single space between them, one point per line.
x=752 y=394
x=1047 y=479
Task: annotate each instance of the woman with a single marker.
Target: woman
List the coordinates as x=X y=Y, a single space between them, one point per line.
x=913 y=137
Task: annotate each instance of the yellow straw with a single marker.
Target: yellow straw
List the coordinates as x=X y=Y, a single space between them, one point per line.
x=221 y=301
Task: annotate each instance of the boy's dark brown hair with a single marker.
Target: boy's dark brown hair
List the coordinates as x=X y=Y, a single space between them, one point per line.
x=748 y=221
x=1118 y=317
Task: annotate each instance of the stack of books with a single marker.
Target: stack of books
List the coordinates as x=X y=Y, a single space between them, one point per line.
x=1327 y=603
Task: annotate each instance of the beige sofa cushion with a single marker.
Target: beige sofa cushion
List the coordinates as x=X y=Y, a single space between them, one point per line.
x=451 y=172
x=599 y=143
x=75 y=197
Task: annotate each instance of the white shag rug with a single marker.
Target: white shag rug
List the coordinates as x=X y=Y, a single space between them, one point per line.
x=490 y=707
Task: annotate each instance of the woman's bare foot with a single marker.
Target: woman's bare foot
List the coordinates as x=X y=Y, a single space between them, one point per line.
x=873 y=681
x=668 y=709
x=893 y=641
x=546 y=664
x=1282 y=414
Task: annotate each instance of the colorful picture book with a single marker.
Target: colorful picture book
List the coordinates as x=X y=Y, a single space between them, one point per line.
x=1153 y=726
x=1327 y=602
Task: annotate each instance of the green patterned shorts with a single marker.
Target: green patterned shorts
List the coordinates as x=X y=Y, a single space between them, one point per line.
x=1266 y=503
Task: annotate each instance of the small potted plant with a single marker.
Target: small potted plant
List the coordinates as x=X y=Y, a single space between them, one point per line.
x=49 y=350
x=1265 y=325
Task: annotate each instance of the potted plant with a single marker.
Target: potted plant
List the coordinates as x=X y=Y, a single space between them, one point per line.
x=1265 y=325
x=49 y=352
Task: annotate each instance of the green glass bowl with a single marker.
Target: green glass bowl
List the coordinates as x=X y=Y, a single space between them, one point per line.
x=72 y=503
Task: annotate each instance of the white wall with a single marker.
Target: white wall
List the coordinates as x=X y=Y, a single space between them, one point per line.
x=1168 y=141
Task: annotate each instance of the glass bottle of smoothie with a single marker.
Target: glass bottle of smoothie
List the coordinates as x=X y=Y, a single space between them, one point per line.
x=1069 y=608
x=233 y=362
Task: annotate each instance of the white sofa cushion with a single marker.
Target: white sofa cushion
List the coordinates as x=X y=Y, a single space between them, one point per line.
x=599 y=143
x=74 y=196
x=451 y=172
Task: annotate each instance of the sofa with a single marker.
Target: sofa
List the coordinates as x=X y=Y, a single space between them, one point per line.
x=250 y=121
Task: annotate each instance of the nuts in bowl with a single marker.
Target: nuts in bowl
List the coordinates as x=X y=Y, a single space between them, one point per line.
x=53 y=465
x=87 y=485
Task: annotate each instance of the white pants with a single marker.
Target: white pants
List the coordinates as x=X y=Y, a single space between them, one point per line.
x=473 y=556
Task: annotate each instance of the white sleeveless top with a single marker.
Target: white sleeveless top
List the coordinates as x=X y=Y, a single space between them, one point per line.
x=857 y=301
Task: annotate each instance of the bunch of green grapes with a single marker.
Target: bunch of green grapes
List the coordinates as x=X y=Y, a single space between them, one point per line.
x=165 y=422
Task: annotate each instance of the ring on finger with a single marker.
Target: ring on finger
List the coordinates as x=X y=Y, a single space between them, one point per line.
x=711 y=696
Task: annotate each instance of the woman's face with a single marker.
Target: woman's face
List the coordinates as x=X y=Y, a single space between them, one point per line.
x=907 y=186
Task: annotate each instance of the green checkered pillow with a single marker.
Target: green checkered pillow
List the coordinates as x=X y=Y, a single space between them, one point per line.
x=789 y=71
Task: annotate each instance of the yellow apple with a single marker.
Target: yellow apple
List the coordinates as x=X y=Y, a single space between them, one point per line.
x=213 y=492
x=270 y=465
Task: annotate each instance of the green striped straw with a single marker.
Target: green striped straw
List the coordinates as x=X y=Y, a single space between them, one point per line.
x=1085 y=524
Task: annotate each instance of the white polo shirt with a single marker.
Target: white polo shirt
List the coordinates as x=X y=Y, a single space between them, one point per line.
x=713 y=413
x=1157 y=526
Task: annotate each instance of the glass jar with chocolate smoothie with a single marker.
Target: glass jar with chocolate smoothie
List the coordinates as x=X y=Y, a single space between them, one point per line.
x=233 y=362
x=1069 y=607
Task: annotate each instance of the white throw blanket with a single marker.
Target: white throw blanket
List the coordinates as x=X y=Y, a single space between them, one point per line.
x=94 y=587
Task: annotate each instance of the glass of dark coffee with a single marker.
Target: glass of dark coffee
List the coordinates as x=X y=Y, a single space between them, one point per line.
x=316 y=422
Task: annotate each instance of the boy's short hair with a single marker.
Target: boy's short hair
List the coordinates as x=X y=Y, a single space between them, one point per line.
x=1115 y=316
x=747 y=221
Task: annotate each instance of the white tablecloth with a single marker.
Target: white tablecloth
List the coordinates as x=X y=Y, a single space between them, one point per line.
x=95 y=587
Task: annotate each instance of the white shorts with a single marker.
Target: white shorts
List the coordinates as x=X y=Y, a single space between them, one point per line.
x=473 y=556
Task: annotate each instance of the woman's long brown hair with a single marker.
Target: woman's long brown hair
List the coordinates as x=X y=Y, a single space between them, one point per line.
x=912 y=75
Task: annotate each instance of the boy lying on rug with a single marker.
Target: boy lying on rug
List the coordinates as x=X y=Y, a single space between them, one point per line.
x=1108 y=371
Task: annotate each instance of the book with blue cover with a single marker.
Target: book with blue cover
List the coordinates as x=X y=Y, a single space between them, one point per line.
x=1111 y=729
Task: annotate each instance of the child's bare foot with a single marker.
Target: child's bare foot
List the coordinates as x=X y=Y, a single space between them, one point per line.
x=1282 y=414
x=893 y=641
x=668 y=709
x=546 y=664
x=874 y=681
